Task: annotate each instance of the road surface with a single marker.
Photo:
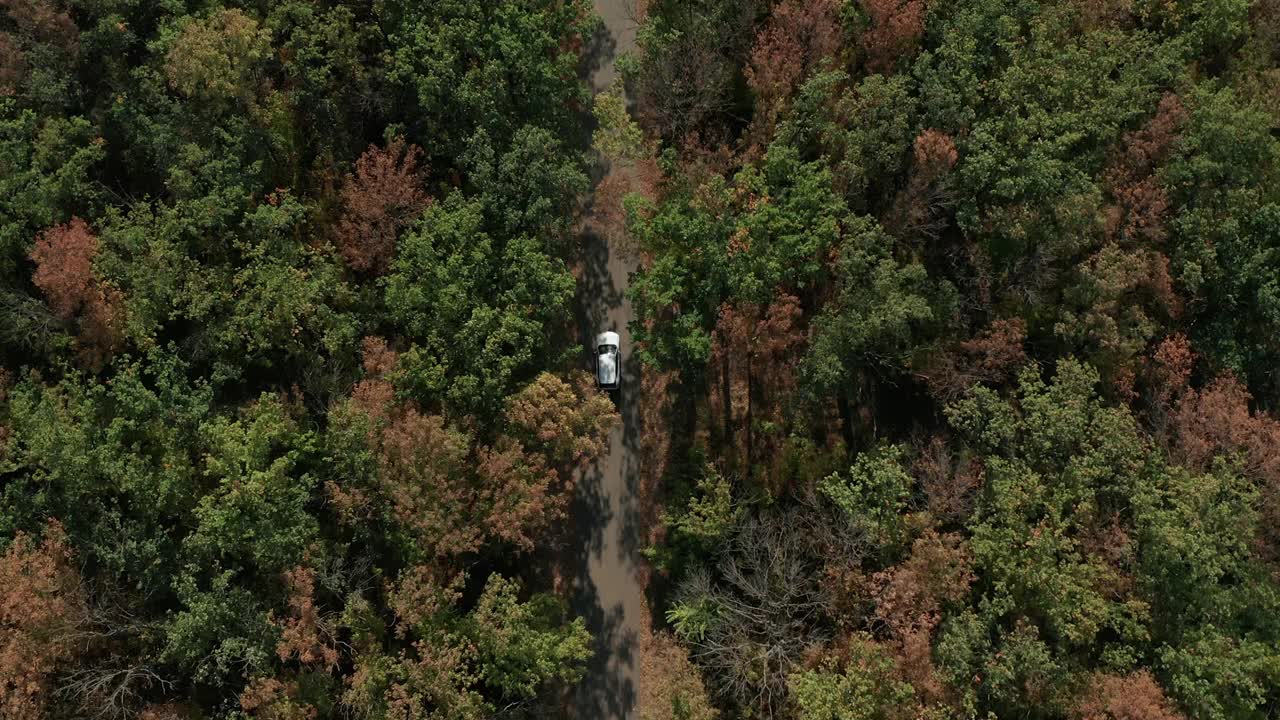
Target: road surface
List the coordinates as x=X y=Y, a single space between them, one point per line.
x=606 y=591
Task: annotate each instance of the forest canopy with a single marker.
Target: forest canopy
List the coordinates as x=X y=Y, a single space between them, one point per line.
x=965 y=315
x=287 y=396
x=957 y=324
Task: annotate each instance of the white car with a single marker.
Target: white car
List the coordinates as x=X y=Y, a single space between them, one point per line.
x=608 y=361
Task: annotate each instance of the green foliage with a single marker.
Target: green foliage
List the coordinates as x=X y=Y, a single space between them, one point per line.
x=864 y=131
x=873 y=493
x=47 y=163
x=476 y=308
x=1085 y=192
x=1064 y=462
x=1049 y=117
x=883 y=311
x=523 y=645
x=115 y=460
x=214 y=59
x=712 y=512
x=770 y=228
x=693 y=620
x=466 y=68
x=866 y=689
x=215 y=441
x=618 y=137
x=1224 y=176
x=1218 y=676
x=220 y=632
x=257 y=516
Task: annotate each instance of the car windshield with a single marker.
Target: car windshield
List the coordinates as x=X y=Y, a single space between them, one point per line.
x=607 y=349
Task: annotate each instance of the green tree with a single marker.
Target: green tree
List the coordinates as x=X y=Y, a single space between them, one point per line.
x=866 y=688
x=477 y=308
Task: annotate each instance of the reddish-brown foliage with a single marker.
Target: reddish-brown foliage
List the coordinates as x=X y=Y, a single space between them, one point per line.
x=796 y=38
x=453 y=495
x=607 y=217
x=45 y=21
x=895 y=29
x=1216 y=421
x=41 y=605
x=1129 y=697
x=934 y=154
x=1095 y=14
x=273 y=699
x=420 y=593
x=950 y=485
x=1141 y=202
x=991 y=357
x=13 y=65
x=424 y=472
x=374 y=395
x=1109 y=542
x=64 y=256
x=426 y=682
x=911 y=595
x=167 y=711
x=659 y=421
x=305 y=634
x=1168 y=375
x=756 y=350
x=519 y=494
x=918 y=210
x=1174 y=360
x=377 y=358
x=382 y=196
x=909 y=600
x=673 y=686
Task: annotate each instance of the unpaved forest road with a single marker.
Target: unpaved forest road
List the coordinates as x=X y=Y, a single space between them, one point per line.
x=605 y=588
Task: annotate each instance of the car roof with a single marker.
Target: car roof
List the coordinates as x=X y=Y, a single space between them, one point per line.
x=607 y=338
x=608 y=369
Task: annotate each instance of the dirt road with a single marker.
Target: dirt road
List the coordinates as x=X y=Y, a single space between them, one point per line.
x=605 y=590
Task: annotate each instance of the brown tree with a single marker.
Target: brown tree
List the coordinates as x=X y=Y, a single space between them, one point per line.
x=1128 y=697
x=991 y=357
x=1216 y=421
x=46 y=21
x=950 y=484
x=42 y=603
x=756 y=349
x=13 y=65
x=64 y=257
x=895 y=29
x=305 y=633
x=567 y=422
x=382 y=196
x=918 y=210
x=1141 y=203
x=797 y=37
x=453 y=493
x=275 y=699
x=910 y=599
